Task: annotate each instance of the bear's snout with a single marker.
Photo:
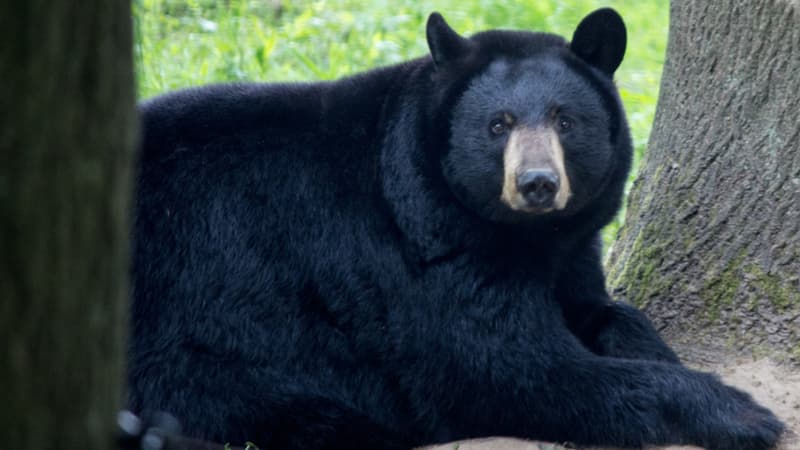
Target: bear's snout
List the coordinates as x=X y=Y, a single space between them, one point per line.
x=535 y=178
x=538 y=187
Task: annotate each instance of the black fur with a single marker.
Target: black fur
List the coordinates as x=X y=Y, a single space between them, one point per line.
x=600 y=40
x=319 y=266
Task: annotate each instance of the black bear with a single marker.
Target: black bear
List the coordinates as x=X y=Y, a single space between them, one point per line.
x=407 y=256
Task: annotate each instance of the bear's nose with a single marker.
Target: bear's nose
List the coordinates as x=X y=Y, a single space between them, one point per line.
x=538 y=187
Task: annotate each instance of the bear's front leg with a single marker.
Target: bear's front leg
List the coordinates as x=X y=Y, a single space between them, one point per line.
x=635 y=403
x=625 y=332
x=606 y=327
x=515 y=370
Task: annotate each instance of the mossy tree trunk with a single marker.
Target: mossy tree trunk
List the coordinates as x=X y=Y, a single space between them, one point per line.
x=67 y=130
x=711 y=244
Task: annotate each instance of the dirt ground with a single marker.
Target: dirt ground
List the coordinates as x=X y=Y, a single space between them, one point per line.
x=774 y=386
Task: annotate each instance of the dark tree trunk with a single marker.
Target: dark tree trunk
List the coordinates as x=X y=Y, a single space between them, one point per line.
x=67 y=130
x=711 y=243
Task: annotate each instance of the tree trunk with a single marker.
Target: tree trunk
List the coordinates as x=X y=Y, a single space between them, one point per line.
x=711 y=243
x=67 y=130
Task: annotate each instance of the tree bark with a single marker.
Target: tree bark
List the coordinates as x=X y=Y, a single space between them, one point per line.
x=67 y=132
x=711 y=242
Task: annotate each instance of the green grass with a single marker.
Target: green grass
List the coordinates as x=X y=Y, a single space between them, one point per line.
x=194 y=42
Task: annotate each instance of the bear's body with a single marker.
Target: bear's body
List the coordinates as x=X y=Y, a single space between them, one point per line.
x=348 y=264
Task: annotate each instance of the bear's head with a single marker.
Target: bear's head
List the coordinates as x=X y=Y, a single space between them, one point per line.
x=536 y=127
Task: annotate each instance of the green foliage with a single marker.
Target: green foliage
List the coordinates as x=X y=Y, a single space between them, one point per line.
x=182 y=43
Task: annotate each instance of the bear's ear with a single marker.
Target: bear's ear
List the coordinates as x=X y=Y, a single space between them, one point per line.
x=600 y=40
x=445 y=44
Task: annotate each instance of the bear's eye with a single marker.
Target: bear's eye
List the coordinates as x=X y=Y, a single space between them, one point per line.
x=565 y=123
x=498 y=127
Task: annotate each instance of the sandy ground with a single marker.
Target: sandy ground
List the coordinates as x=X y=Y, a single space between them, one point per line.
x=774 y=386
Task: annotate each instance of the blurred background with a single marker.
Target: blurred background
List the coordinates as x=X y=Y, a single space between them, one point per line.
x=182 y=43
